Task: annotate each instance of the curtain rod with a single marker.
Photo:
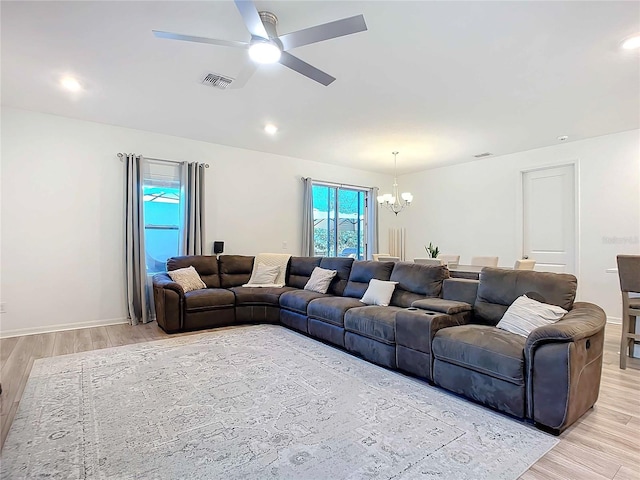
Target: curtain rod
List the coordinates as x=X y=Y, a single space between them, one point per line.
x=121 y=156
x=332 y=184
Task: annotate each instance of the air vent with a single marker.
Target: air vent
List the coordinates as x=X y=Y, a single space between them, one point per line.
x=481 y=155
x=217 y=80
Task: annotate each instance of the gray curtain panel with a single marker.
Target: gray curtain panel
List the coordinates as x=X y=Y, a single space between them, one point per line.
x=308 y=248
x=373 y=235
x=135 y=263
x=193 y=232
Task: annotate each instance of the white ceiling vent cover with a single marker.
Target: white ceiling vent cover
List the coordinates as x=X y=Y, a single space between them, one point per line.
x=217 y=80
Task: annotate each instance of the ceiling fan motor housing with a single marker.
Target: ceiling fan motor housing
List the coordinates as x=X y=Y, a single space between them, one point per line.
x=269 y=20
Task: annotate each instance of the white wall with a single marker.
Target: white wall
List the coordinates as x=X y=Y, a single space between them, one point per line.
x=62 y=212
x=472 y=208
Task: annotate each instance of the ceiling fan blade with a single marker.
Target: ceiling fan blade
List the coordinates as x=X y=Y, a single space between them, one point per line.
x=251 y=18
x=245 y=74
x=320 y=33
x=294 y=63
x=191 y=38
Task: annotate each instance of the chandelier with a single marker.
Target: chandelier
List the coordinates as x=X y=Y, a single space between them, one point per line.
x=393 y=200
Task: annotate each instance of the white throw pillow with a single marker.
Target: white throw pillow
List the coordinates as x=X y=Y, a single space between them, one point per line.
x=187 y=278
x=525 y=315
x=264 y=275
x=320 y=280
x=378 y=292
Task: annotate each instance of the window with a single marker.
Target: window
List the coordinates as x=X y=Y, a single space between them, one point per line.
x=162 y=214
x=339 y=221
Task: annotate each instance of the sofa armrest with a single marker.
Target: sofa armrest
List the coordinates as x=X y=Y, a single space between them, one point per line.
x=162 y=280
x=415 y=329
x=168 y=299
x=450 y=307
x=564 y=367
x=583 y=320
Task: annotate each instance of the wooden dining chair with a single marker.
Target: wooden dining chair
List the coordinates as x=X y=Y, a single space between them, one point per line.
x=524 y=264
x=450 y=260
x=629 y=273
x=428 y=261
x=484 y=261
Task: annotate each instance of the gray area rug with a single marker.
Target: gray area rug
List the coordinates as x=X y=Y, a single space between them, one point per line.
x=252 y=402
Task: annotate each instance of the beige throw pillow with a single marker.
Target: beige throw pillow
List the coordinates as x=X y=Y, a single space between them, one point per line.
x=525 y=315
x=187 y=278
x=264 y=275
x=320 y=280
x=379 y=292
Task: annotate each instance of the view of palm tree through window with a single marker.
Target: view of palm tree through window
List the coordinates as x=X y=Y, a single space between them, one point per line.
x=162 y=225
x=339 y=221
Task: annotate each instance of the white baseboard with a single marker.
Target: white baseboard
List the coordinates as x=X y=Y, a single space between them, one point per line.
x=62 y=327
x=614 y=320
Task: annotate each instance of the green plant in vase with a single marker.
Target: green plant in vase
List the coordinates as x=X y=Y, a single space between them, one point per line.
x=432 y=251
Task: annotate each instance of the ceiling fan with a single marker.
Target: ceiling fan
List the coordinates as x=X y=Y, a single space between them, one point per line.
x=266 y=46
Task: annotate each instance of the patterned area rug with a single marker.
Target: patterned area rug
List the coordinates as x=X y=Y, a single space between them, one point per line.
x=252 y=402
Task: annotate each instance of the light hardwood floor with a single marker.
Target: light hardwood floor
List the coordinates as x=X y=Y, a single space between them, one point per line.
x=603 y=444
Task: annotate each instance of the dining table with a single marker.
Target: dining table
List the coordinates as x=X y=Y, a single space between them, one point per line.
x=471 y=272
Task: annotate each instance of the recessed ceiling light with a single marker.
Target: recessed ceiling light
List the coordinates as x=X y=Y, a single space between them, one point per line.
x=562 y=138
x=631 y=43
x=71 y=84
x=270 y=128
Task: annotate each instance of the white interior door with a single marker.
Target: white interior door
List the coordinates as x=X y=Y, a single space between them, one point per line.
x=549 y=222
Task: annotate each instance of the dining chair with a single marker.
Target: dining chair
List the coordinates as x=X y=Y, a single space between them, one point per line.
x=376 y=256
x=629 y=274
x=388 y=258
x=450 y=260
x=428 y=261
x=524 y=264
x=484 y=261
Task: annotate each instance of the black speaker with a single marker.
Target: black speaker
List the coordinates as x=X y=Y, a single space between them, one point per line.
x=218 y=247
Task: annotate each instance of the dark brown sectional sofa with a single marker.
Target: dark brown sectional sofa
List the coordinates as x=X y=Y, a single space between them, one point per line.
x=438 y=328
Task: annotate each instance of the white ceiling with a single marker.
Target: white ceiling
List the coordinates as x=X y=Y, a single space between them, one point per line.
x=438 y=81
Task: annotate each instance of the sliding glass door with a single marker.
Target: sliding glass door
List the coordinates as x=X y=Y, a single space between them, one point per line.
x=339 y=221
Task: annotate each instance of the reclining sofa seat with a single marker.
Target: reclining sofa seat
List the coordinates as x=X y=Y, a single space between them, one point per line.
x=370 y=331
x=177 y=311
x=294 y=303
x=326 y=314
x=552 y=376
x=253 y=304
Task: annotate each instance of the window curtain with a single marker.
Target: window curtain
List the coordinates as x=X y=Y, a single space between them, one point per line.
x=193 y=224
x=373 y=235
x=137 y=291
x=308 y=247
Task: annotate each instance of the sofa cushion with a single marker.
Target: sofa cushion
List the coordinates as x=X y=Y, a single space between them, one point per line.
x=343 y=267
x=209 y=299
x=416 y=281
x=205 y=265
x=259 y=295
x=525 y=315
x=235 y=270
x=499 y=288
x=298 y=300
x=332 y=309
x=300 y=269
x=484 y=349
x=375 y=322
x=361 y=274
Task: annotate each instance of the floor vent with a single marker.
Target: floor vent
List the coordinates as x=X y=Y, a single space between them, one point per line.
x=481 y=155
x=216 y=80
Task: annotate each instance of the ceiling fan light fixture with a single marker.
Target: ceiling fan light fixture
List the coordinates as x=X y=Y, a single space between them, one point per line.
x=264 y=51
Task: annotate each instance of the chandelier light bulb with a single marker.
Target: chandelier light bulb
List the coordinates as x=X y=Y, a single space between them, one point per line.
x=392 y=200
